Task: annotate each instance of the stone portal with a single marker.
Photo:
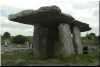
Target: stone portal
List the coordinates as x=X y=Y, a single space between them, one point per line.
x=52 y=31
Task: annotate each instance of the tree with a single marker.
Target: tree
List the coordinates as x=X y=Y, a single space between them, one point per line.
x=6 y=35
x=91 y=36
x=6 y=38
x=19 y=39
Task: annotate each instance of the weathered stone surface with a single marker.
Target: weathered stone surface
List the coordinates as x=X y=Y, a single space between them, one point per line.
x=44 y=41
x=49 y=16
x=82 y=26
x=66 y=39
x=77 y=40
x=43 y=15
x=39 y=41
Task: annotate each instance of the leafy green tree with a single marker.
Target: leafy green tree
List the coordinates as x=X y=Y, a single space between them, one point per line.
x=19 y=39
x=6 y=35
x=91 y=36
x=6 y=38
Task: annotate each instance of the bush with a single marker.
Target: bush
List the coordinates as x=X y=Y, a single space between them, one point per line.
x=19 y=39
x=6 y=35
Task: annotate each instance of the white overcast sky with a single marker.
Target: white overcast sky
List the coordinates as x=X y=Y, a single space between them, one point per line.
x=84 y=10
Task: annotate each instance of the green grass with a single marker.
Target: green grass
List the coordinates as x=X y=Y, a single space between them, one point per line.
x=13 y=57
x=25 y=58
x=86 y=41
x=79 y=59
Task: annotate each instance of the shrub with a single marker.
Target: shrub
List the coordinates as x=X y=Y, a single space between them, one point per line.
x=19 y=39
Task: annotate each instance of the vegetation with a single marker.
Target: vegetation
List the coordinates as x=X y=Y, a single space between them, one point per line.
x=5 y=38
x=19 y=39
x=90 y=39
x=91 y=36
x=6 y=35
x=25 y=58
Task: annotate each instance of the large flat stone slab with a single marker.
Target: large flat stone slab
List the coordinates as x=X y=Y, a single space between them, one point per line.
x=48 y=16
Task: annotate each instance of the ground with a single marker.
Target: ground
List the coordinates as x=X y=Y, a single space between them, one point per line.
x=25 y=58
x=21 y=55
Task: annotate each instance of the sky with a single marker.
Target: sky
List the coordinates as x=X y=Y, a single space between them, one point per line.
x=86 y=11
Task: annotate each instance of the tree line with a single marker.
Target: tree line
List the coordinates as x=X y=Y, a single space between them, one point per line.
x=20 y=39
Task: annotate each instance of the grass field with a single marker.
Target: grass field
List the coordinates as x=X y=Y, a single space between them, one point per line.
x=25 y=58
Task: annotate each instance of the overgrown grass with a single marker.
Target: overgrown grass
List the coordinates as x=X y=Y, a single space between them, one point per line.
x=25 y=58
x=81 y=59
x=16 y=57
x=86 y=41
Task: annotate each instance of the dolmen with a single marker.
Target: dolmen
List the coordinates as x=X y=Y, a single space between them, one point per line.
x=55 y=33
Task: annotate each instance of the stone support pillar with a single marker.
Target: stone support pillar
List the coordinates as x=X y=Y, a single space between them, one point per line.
x=77 y=40
x=66 y=39
x=39 y=41
x=44 y=41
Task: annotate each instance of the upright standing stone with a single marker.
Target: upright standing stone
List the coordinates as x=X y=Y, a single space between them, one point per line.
x=39 y=41
x=77 y=40
x=66 y=39
x=36 y=41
